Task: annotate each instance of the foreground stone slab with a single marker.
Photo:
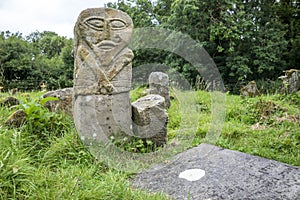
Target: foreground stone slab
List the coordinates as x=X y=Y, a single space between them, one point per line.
x=210 y=172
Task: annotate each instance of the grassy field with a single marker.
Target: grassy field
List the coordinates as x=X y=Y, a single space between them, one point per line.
x=44 y=158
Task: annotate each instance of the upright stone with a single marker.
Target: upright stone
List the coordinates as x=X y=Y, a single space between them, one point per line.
x=291 y=81
x=102 y=74
x=159 y=84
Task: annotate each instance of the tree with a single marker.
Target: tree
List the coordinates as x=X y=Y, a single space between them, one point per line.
x=246 y=39
x=288 y=12
x=141 y=11
x=39 y=57
x=15 y=57
x=255 y=41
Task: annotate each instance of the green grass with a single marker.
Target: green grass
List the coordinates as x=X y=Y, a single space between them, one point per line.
x=266 y=126
x=45 y=159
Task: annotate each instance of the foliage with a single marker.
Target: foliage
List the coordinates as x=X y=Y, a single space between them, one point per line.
x=248 y=40
x=38 y=118
x=266 y=126
x=28 y=61
x=137 y=93
x=135 y=144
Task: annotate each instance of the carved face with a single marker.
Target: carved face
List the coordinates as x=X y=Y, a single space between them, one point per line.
x=105 y=29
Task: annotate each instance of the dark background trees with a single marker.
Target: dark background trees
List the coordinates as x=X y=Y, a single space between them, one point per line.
x=247 y=39
x=27 y=62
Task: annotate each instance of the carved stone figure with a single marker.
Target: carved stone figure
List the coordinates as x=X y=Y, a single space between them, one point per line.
x=102 y=82
x=102 y=74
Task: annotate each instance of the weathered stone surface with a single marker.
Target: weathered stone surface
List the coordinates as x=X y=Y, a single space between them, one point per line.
x=16 y=119
x=228 y=175
x=250 y=90
x=13 y=91
x=150 y=119
x=291 y=81
x=10 y=101
x=159 y=84
x=64 y=102
x=102 y=74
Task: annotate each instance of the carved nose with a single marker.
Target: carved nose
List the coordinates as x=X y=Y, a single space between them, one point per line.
x=107 y=33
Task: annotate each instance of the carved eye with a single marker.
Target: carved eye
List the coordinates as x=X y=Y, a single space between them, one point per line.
x=117 y=24
x=97 y=24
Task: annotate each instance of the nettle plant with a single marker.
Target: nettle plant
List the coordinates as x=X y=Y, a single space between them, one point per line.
x=135 y=144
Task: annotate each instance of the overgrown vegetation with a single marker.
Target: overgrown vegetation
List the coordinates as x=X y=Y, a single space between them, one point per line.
x=45 y=159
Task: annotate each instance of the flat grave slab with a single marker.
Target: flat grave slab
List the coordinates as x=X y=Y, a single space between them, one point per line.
x=209 y=172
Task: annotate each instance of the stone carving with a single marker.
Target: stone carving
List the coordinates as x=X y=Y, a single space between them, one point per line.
x=150 y=119
x=64 y=102
x=102 y=82
x=249 y=90
x=159 y=84
x=102 y=74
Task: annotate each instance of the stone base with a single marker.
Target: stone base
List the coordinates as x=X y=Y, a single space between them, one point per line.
x=98 y=117
x=224 y=174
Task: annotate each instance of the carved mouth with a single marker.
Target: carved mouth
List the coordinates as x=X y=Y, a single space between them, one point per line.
x=106 y=45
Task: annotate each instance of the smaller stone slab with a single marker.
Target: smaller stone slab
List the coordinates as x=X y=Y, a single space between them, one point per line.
x=210 y=172
x=150 y=119
x=16 y=119
x=64 y=102
x=159 y=84
x=9 y=101
x=291 y=81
